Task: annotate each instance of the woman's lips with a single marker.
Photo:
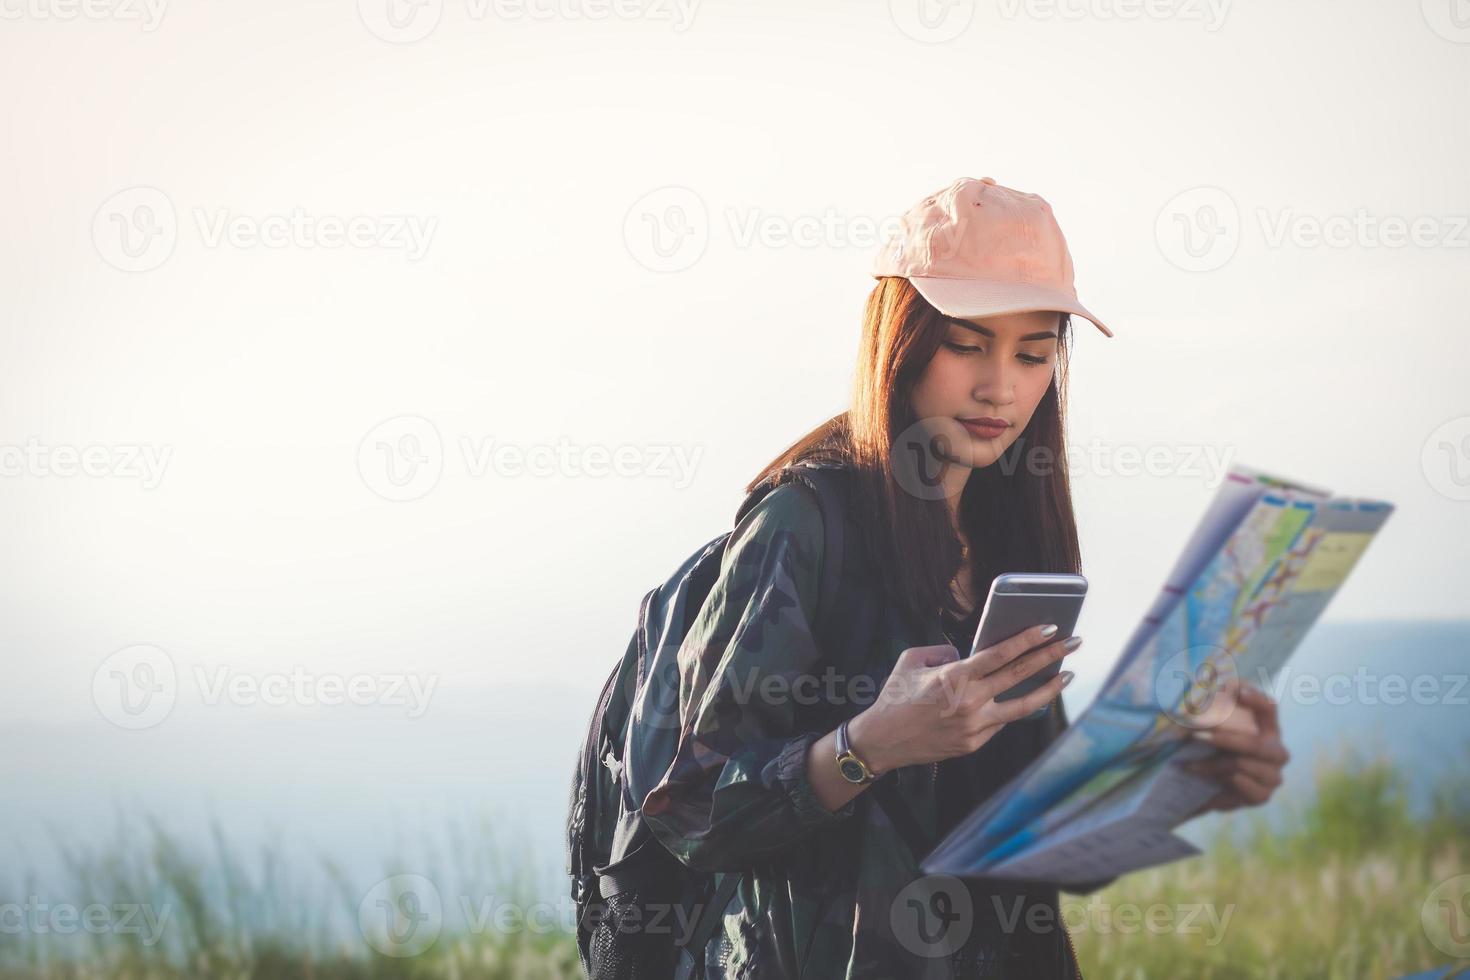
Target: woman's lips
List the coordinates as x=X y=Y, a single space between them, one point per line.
x=985 y=428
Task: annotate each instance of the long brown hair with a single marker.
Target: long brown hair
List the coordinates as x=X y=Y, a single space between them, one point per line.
x=1016 y=512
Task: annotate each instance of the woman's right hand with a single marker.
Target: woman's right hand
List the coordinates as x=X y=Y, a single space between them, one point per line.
x=935 y=705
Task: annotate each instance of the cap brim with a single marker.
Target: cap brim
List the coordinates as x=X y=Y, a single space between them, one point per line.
x=987 y=297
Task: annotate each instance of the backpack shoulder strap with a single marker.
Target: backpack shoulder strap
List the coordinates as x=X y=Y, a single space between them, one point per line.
x=830 y=499
x=825 y=484
x=833 y=501
x=691 y=950
x=833 y=596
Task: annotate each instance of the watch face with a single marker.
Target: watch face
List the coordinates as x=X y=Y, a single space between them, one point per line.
x=852 y=771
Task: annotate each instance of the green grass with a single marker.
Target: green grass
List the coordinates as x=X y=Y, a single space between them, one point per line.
x=244 y=917
x=1333 y=890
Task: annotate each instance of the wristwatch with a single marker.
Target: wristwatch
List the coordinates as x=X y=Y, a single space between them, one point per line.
x=853 y=769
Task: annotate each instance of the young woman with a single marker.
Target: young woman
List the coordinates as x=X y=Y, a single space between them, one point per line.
x=954 y=453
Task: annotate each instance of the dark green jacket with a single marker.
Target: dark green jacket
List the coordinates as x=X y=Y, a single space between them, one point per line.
x=833 y=894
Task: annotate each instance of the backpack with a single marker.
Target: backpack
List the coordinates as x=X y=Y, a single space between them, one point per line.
x=629 y=891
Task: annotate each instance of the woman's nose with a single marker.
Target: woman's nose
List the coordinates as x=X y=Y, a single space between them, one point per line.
x=999 y=386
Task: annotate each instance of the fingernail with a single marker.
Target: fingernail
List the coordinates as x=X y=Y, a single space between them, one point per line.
x=1203 y=734
x=1067 y=676
x=1049 y=629
x=1071 y=643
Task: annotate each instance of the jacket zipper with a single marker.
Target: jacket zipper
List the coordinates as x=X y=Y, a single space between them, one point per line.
x=1076 y=967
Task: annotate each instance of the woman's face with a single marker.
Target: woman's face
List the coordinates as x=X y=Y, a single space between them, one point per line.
x=995 y=367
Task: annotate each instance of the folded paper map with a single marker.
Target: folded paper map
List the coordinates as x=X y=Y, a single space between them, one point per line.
x=1264 y=561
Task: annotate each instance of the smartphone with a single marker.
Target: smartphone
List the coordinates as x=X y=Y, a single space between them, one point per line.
x=1021 y=600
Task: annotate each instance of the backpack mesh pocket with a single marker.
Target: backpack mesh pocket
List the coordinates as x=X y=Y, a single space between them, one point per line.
x=622 y=940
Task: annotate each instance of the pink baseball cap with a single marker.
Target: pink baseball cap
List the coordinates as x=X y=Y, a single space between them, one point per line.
x=977 y=248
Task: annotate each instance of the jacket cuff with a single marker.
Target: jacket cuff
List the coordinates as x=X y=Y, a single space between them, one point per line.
x=791 y=770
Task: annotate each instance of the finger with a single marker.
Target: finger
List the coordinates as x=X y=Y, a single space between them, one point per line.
x=933 y=655
x=1263 y=707
x=994 y=657
x=1240 y=719
x=1257 y=746
x=1018 y=670
x=1008 y=711
x=1253 y=792
x=1222 y=769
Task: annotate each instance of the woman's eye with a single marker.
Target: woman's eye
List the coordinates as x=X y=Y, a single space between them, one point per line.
x=1030 y=359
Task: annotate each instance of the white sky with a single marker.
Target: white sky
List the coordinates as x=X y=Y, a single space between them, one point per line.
x=525 y=151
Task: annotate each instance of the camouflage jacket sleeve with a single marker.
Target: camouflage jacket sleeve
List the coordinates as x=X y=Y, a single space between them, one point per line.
x=737 y=789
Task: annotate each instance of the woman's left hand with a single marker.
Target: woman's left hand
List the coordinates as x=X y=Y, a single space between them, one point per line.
x=1251 y=757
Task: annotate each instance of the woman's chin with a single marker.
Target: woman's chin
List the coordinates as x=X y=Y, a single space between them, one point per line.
x=980 y=453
